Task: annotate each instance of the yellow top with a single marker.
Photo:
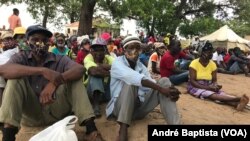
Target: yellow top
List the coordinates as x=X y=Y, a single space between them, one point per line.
x=166 y=40
x=51 y=48
x=89 y=62
x=203 y=73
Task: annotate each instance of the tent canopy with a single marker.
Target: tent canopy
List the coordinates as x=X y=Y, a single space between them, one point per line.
x=226 y=37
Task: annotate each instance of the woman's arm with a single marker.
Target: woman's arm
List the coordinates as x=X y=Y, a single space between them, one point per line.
x=214 y=77
x=214 y=81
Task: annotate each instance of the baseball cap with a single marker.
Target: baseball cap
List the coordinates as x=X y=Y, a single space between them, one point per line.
x=37 y=29
x=98 y=42
x=19 y=30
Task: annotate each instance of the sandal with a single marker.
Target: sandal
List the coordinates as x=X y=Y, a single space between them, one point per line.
x=247 y=106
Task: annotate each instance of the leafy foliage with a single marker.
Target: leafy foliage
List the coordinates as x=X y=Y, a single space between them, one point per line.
x=200 y=26
x=155 y=16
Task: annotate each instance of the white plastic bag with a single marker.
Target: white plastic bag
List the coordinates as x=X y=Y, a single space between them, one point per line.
x=59 y=131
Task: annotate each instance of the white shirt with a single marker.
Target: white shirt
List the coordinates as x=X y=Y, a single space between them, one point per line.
x=122 y=73
x=217 y=57
x=4 y=57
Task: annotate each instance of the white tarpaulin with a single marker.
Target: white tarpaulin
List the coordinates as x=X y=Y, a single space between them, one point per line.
x=226 y=37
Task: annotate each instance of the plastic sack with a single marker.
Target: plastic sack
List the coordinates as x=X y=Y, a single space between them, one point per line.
x=59 y=131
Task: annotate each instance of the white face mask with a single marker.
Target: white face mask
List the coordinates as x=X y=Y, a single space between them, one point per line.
x=60 y=42
x=60 y=45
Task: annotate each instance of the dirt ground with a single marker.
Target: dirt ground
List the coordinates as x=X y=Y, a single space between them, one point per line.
x=193 y=111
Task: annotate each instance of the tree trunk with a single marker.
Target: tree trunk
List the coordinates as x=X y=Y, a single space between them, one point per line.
x=86 y=16
x=72 y=17
x=45 y=16
x=152 y=27
x=147 y=27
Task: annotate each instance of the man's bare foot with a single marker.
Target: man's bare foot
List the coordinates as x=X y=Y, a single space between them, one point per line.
x=243 y=102
x=94 y=136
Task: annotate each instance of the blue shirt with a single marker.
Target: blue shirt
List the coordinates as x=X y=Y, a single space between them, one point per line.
x=144 y=57
x=122 y=73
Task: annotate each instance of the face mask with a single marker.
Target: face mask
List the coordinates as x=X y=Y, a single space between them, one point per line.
x=161 y=51
x=60 y=42
x=60 y=45
x=132 y=54
x=39 y=48
x=9 y=45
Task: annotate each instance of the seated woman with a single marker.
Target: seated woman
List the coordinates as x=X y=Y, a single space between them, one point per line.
x=155 y=59
x=203 y=81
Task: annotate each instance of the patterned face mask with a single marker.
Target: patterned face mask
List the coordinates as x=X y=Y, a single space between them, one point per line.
x=9 y=44
x=132 y=54
x=39 y=48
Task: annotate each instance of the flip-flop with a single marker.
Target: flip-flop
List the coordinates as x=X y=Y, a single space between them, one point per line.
x=247 y=106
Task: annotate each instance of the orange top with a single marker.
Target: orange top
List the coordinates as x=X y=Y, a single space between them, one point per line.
x=111 y=48
x=14 y=22
x=154 y=57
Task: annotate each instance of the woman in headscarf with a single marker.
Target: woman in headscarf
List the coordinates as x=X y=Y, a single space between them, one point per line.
x=203 y=81
x=155 y=59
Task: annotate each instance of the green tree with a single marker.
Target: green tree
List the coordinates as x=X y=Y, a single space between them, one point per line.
x=45 y=8
x=241 y=21
x=71 y=8
x=153 y=15
x=161 y=15
x=200 y=26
